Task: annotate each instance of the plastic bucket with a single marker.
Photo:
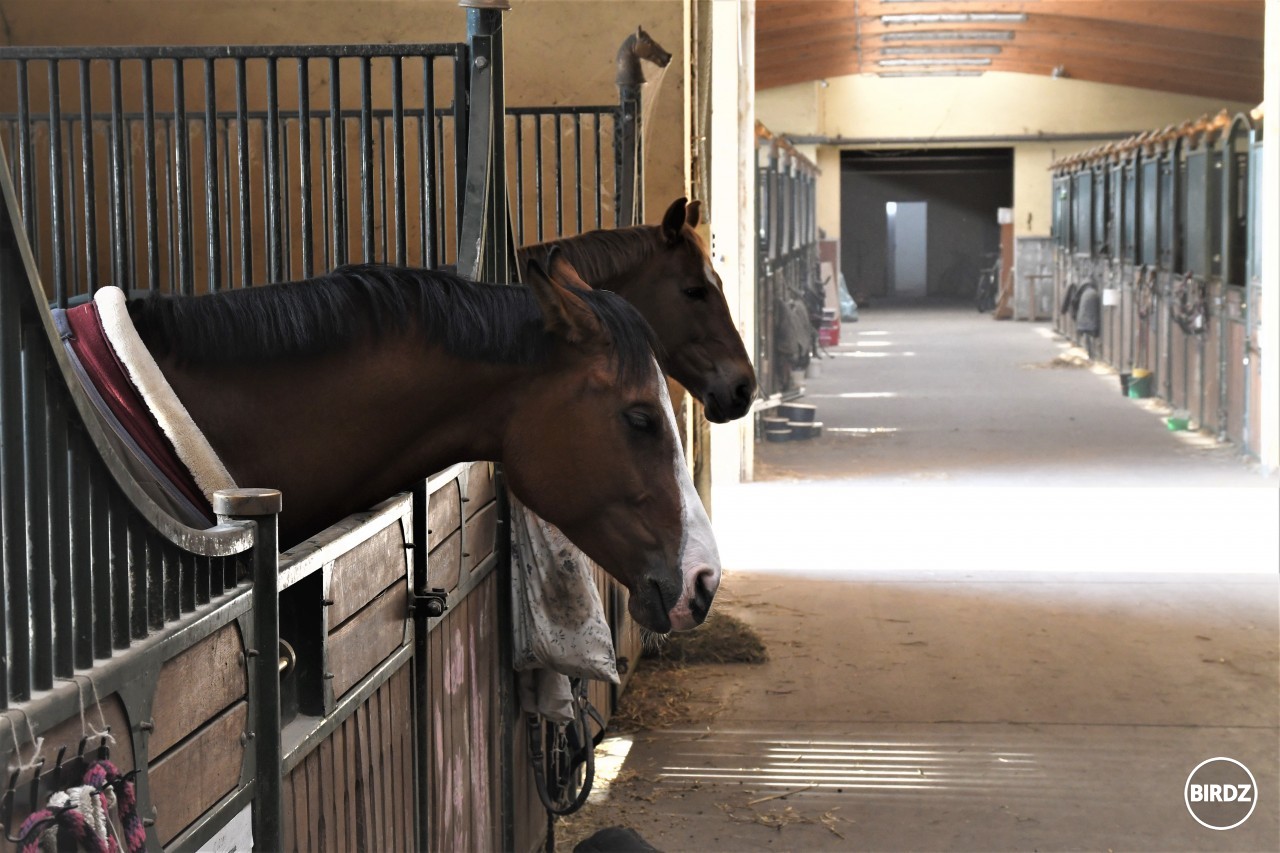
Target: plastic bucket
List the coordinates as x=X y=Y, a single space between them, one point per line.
x=1140 y=385
x=1124 y=384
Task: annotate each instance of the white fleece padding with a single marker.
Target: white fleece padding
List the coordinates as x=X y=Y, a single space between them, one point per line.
x=188 y=441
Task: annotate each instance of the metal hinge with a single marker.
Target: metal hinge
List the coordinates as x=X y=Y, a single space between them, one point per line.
x=432 y=603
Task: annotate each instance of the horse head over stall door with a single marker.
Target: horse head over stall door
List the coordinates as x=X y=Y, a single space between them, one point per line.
x=380 y=376
x=665 y=272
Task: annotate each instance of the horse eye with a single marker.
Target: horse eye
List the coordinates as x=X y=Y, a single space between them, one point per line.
x=697 y=294
x=641 y=421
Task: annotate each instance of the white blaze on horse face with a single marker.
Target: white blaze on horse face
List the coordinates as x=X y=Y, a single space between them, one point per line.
x=699 y=556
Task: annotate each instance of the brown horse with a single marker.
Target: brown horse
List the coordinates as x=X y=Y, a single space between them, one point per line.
x=343 y=389
x=665 y=272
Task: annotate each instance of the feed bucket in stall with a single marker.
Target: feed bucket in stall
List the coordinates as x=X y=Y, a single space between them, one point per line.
x=1140 y=384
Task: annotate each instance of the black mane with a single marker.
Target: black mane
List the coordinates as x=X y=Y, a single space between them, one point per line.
x=486 y=322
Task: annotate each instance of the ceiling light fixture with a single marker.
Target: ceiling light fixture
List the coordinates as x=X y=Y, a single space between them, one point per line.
x=900 y=50
x=957 y=18
x=896 y=63
x=929 y=73
x=949 y=35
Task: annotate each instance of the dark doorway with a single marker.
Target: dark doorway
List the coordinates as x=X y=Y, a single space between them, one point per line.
x=963 y=190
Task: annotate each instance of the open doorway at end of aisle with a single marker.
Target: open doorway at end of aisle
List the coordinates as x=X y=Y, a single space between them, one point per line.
x=921 y=222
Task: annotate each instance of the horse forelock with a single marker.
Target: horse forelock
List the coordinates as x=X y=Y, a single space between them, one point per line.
x=470 y=320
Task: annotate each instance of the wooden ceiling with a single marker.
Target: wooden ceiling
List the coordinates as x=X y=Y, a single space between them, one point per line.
x=1211 y=48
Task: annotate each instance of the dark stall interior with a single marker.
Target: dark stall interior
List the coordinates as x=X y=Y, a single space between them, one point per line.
x=962 y=190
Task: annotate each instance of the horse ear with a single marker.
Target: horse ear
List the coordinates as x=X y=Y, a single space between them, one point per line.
x=564 y=313
x=563 y=272
x=673 y=221
x=693 y=214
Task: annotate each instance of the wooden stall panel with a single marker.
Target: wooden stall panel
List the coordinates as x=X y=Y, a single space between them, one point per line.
x=197 y=685
x=368 y=638
x=193 y=777
x=366 y=570
x=444 y=563
x=465 y=725
x=444 y=511
x=355 y=790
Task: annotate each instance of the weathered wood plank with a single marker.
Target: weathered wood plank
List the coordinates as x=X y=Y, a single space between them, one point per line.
x=479 y=488
x=444 y=563
x=188 y=780
x=367 y=638
x=360 y=574
x=479 y=534
x=444 y=512
x=196 y=685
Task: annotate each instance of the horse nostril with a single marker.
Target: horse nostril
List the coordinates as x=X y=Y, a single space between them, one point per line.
x=703 y=593
x=742 y=393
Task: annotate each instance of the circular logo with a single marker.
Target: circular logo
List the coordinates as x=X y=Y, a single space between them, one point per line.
x=1220 y=793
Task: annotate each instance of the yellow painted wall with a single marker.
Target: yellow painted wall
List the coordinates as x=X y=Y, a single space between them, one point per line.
x=938 y=111
x=557 y=51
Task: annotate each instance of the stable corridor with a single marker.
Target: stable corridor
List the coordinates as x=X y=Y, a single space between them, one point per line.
x=997 y=615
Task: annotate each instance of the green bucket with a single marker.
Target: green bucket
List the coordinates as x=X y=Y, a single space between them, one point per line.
x=1139 y=387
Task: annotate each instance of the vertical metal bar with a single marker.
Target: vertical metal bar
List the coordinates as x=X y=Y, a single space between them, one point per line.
x=149 y=178
x=461 y=132
x=325 y=195
x=262 y=507
x=537 y=174
x=33 y=667
x=397 y=160
x=559 y=120
x=182 y=182
x=519 y=125
x=421 y=672
x=79 y=589
x=56 y=218
x=337 y=166
x=577 y=168
x=366 y=159
x=186 y=581
x=442 y=183
x=430 y=187
x=242 y=168
x=119 y=229
x=62 y=592
x=382 y=186
x=304 y=166
x=228 y=227
x=26 y=168
x=286 y=203
x=271 y=162
x=73 y=226
x=139 y=580
x=98 y=571
x=213 y=240
x=170 y=584
x=12 y=558
x=170 y=205
x=90 y=184
x=121 y=611
x=599 y=181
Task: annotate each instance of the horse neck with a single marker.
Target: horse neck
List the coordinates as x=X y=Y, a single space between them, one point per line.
x=607 y=260
x=339 y=432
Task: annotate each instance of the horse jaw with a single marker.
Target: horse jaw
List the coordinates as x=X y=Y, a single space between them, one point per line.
x=699 y=556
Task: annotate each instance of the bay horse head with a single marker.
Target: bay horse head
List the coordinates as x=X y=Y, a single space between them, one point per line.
x=599 y=456
x=347 y=388
x=666 y=273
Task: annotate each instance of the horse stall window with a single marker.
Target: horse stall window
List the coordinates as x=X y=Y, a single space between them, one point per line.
x=1235 y=261
x=1083 y=231
x=1101 y=211
x=1061 y=210
x=1170 y=254
x=1115 y=210
x=1129 y=227
x=1254 y=210
x=1202 y=213
x=1149 y=247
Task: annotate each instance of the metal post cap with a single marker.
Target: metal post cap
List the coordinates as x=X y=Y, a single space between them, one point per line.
x=246 y=502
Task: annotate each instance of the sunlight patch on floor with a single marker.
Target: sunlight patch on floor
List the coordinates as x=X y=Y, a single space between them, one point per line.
x=611 y=755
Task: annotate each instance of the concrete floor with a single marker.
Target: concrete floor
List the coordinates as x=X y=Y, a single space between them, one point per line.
x=1014 y=615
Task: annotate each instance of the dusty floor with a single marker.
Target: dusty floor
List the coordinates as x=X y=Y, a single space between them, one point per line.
x=1014 y=616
